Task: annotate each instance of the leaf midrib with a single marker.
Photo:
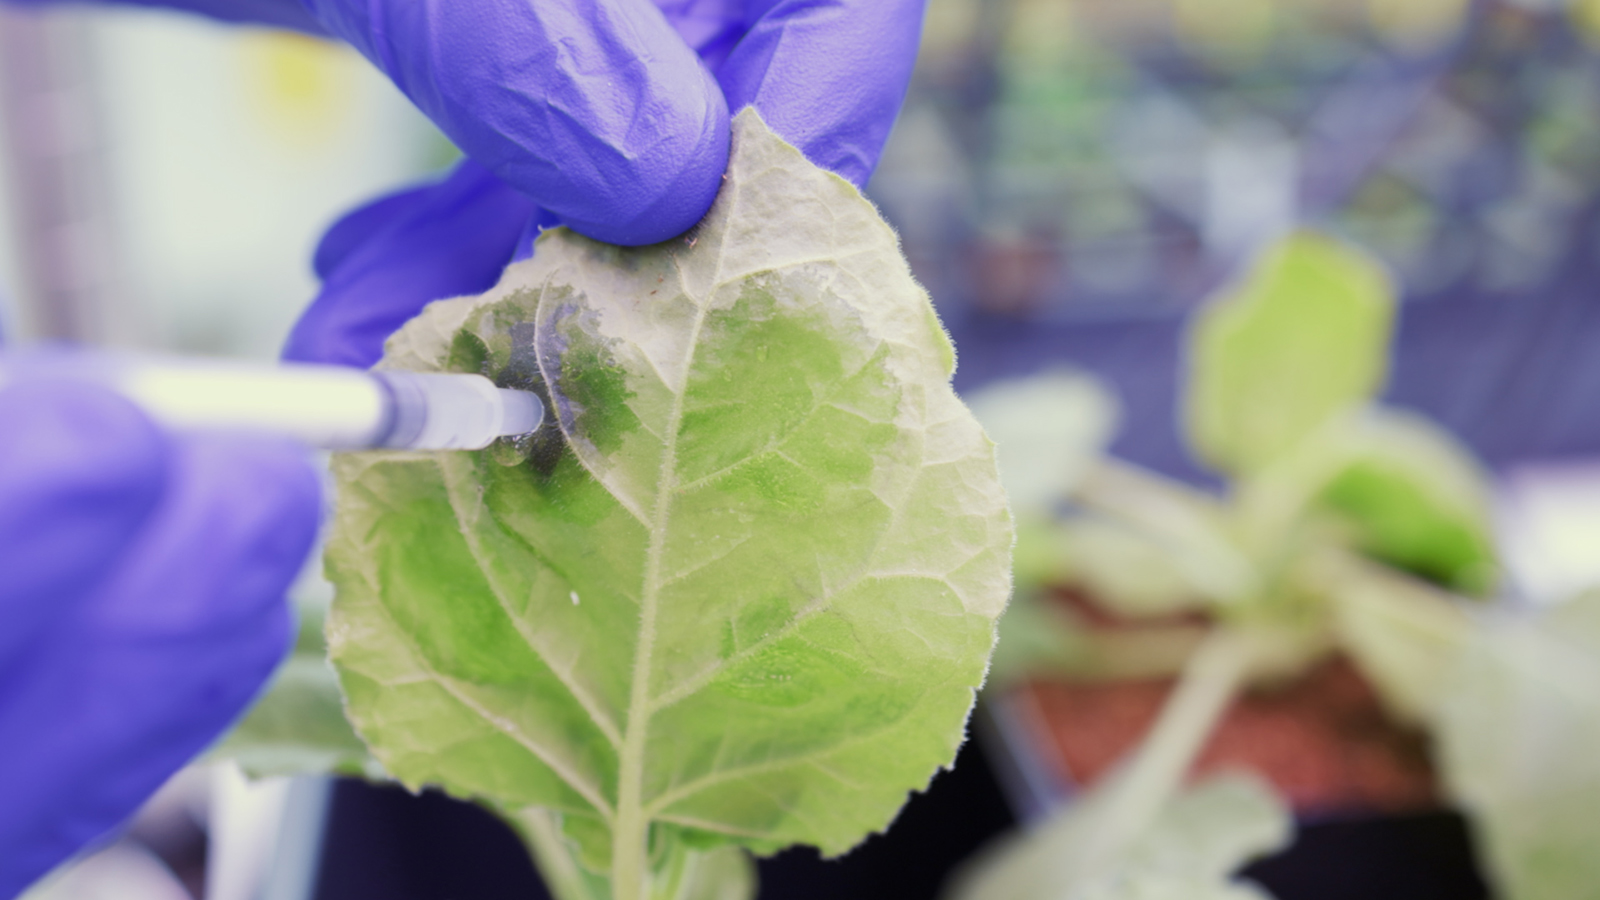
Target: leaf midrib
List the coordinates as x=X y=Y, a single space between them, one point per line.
x=630 y=824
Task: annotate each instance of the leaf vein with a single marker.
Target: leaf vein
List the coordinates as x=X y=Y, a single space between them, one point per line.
x=590 y=705
x=589 y=791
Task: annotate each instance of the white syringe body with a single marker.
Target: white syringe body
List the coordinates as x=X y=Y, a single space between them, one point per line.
x=330 y=407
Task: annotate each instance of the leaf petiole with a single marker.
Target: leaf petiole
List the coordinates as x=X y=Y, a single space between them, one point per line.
x=1148 y=780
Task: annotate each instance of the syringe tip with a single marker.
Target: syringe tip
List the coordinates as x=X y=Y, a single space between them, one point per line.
x=523 y=412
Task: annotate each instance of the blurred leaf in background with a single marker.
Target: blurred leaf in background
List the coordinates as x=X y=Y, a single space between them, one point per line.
x=298 y=725
x=1519 y=745
x=1405 y=635
x=1302 y=338
x=1416 y=499
x=1200 y=839
x=1049 y=429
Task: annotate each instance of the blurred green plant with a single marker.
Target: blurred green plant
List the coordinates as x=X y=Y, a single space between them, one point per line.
x=299 y=725
x=1343 y=526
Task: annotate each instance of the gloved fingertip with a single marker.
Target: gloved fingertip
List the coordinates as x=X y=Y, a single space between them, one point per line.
x=685 y=176
x=357 y=227
x=828 y=77
x=382 y=264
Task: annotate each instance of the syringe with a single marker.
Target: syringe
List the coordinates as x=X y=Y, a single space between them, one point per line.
x=331 y=407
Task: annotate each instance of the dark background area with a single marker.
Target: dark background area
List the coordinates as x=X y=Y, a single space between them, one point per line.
x=382 y=842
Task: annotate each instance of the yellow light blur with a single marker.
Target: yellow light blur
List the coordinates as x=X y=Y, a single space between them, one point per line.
x=1416 y=24
x=1039 y=28
x=1586 y=19
x=1225 y=27
x=301 y=87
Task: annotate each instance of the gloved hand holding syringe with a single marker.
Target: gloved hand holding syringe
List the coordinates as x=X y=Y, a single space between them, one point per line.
x=329 y=407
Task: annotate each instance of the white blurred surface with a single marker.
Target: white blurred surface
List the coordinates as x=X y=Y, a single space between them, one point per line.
x=1550 y=528
x=232 y=150
x=128 y=868
x=229 y=151
x=266 y=836
x=119 y=872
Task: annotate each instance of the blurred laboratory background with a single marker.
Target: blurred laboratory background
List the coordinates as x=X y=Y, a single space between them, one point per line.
x=167 y=177
x=1069 y=177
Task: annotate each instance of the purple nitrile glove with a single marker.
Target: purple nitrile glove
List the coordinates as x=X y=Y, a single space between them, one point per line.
x=610 y=116
x=142 y=581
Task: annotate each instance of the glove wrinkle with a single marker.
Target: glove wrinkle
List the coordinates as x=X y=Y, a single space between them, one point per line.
x=637 y=108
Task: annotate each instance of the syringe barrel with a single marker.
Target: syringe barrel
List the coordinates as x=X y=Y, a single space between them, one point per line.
x=453 y=412
x=331 y=407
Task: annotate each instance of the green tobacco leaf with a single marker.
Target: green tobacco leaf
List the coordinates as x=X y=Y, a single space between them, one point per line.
x=1519 y=746
x=1416 y=499
x=1201 y=839
x=744 y=588
x=1304 y=337
x=298 y=726
x=1048 y=430
x=724 y=873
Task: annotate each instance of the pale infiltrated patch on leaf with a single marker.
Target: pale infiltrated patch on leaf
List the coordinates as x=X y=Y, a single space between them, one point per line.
x=746 y=598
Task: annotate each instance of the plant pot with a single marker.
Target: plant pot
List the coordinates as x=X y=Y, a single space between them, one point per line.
x=1361 y=785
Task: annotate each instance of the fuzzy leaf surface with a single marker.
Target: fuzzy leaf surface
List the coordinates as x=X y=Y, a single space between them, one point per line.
x=743 y=589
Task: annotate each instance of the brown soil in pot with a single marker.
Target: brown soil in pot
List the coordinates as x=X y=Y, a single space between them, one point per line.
x=1324 y=740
